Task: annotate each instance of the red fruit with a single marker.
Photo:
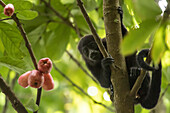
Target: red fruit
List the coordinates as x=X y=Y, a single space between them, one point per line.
x=23 y=79
x=9 y=10
x=35 y=79
x=45 y=65
x=48 y=82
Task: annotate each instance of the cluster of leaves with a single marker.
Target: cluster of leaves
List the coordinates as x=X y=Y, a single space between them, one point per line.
x=50 y=36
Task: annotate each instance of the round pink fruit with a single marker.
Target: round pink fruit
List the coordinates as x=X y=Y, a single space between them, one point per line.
x=35 y=79
x=45 y=65
x=48 y=82
x=9 y=10
x=23 y=79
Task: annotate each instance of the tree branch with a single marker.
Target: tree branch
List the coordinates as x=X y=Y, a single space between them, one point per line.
x=17 y=105
x=12 y=86
x=79 y=88
x=6 y=99
x=81 y=67
x=119 y=76
x=5 y=19
x=95 y=35
x=28 y=45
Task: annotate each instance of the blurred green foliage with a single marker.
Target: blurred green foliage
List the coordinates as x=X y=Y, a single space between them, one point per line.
x=50 y=36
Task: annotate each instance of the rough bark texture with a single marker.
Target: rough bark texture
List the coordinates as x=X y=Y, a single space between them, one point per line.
x=123 y=102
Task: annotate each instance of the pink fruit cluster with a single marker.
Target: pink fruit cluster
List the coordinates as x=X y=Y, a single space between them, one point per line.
x=38 y=78
x=9 y=10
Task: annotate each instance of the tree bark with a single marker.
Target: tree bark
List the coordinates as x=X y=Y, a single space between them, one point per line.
x=119 y=77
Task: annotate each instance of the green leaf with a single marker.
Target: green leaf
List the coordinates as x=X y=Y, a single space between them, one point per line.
x=35 y=34
x=127 y=18
x=67 y=1
x=16 y=65
x=27 y=14
x=57 y=41
x=22 y=5
x=33 y=24
x=31 y=105
x=1 y=48
x=147 y=9
x=11 y=39
x=81 y=23
x=23 y=10
x=158 y=45
x=136 y=38
x=90 y=4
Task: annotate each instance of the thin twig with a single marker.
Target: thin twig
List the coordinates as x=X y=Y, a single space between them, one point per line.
x=165 y=91
x=95 y=35
x=5 y=19
x=27 y=43
x=140 y=78
x=79 y=88
x=59 y=15
x=85 y=71
x=17 y=105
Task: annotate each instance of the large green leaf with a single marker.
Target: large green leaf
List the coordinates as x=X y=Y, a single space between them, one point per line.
x=90 y=4
x=147 y=9
x=23 y=9
x=35 y=34
x=59 y=7
x=136 y=38
x=11 y=39
x=81 y=23
x=158 y=45
x=27 y=14
x=67 y=1
x=127 y=18
x=16 y=65
x=33 y=24
x=57 y=41
x=22 y=5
